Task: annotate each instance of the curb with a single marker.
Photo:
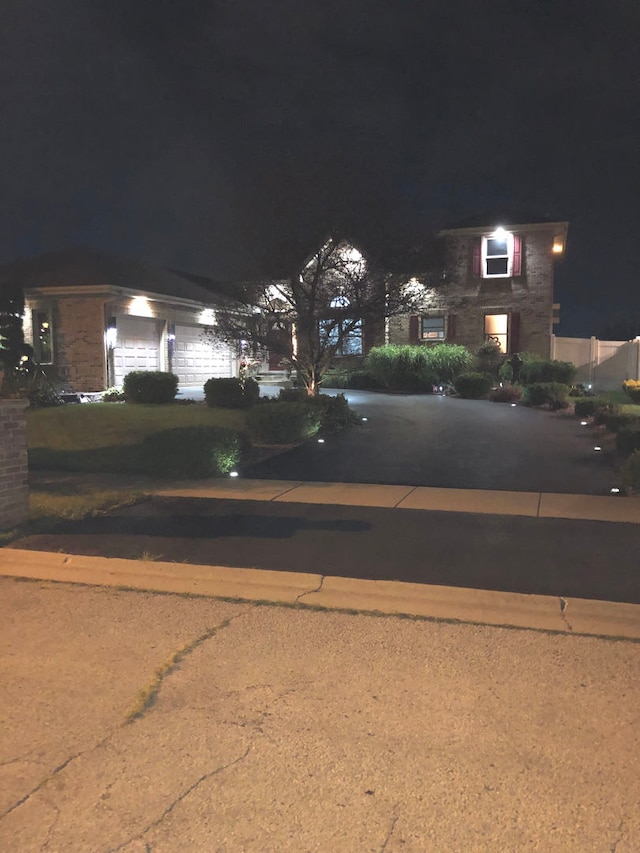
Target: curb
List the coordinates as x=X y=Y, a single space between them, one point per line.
x=483 y=607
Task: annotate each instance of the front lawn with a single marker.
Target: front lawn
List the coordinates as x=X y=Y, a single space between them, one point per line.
x=106 y=437
x=87 y=426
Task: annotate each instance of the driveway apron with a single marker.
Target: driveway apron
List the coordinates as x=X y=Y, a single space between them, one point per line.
x=432 y=440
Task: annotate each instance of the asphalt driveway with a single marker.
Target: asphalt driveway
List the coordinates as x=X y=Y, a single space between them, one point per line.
x=431 y=440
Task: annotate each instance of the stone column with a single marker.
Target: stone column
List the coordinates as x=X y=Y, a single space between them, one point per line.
x=14 y=490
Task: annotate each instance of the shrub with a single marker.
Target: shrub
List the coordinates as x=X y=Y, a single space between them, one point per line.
x=489 y=358
x=505 y=372
x=447 y=361
x=231 y=393
x=363 y=380
x=604 y=410
x=585 y=407
x=537 y=371
x=402 y=368
x=150 y=386
x=615 y=421
x=293 y=395
x=628 y=439
x=553 y=394
x=631 y=388
x=631 y=472
x=472 y=386
x=506 y=394
x=113 y=395
x=580 y=390
x=335 y=413
x=283 y=423
x=192 y=452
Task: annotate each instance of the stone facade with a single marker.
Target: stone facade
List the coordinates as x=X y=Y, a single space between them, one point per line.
x=464 y=297
x=14 y=491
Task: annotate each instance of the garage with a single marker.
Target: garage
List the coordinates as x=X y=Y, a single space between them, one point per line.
x=196 y=360
x=137 y=346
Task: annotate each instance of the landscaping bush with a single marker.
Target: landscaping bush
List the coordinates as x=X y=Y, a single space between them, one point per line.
x=283 y=423
x=631 y=473
x=538 y=371
x=402 y=368
x=293 y=395
x=553 y=394
x=231 y=393
x=472 y=386
x=489 y=358
x=615 y=421
x=604 y=410
x=150 y=386
x=335 y=413
x=192 y=452
x=447 y=361
x=628 y=439
x=586 y=407
x=631 y=388
x=113 y=395
x=580 y=390
x=362 y=380
x=506 y=393
x=505 y=372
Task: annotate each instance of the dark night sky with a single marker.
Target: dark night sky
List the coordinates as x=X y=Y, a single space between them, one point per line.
x=204 y=134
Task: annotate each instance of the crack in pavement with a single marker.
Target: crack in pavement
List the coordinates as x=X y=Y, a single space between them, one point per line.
x=54 y=823
x=310 y=591
x=614 y=846
x=564 y=604
x=180 y=798
x=148 y=695
x=44 y=781
x=394 y=821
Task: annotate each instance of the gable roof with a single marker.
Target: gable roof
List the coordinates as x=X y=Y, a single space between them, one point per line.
x=86 y=267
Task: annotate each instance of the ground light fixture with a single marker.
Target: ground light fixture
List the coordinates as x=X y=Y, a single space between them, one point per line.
x=513 y=405
x=364 y=420
x=321 y=441
x=583 y=423
x=615 y=490
x=233 y=474
x=597 y=447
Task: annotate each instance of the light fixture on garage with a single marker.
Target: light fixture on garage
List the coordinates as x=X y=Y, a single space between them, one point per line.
x=140 y=307
x=111 y=335
x=207 y=317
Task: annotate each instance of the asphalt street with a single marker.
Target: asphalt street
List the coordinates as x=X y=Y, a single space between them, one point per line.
x=432 y=440
x=147 y=723
x=547 y=556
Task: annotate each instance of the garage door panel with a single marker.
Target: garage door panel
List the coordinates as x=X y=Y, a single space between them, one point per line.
x=195 y=360
x=137 y=345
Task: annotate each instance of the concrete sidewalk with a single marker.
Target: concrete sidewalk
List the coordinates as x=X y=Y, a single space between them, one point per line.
x=532 y=504
x=474 y=606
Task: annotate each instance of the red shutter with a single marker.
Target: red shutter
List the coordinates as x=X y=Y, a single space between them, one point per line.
x=414 y=329
x=477 y=256
x=451 y=327
x=514 y=342
x=517 y=255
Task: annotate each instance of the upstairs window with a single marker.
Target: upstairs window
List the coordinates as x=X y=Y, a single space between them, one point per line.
x=498 y=255
x=42 y=337
x=344 y=335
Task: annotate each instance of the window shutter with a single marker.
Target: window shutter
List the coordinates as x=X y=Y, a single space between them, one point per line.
x=517 y=255
x=514 y=343
x=451 y=327
x=414 y=329
x=477 y=256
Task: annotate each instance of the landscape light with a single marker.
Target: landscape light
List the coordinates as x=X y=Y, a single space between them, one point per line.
x=233 y=474
x=583 y=423
x=321 y=441
x=597 y=447
x=513 y=405
x=364 y=420
x=615 y=490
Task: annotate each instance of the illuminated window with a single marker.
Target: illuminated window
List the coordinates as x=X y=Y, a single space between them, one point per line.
x=433 y=329
x=497 y=255
x=42 y=337
x=346 y=337
x=495 y=329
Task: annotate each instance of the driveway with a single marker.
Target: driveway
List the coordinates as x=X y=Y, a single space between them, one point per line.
x=431 y=440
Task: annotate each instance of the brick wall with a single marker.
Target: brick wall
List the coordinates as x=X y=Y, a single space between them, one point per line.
x=469 y=298
x=14 y=491
x=79 y=349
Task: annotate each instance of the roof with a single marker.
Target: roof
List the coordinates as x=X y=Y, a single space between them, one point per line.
x=87 y=267
x=508 y=219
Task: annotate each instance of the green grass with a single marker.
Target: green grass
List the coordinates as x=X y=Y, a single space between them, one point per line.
x=68 y=503
x=91 y=426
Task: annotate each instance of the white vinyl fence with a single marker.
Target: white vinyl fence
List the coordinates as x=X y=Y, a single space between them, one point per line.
x=603 y=364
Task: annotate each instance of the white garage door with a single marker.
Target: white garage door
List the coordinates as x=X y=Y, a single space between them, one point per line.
x=195 y=360
x=137 y=346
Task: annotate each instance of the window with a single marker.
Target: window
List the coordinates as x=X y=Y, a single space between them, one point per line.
x=495 y=329
x=343 y=334
x=498 y=255
x=433 y=329
x=42 y=337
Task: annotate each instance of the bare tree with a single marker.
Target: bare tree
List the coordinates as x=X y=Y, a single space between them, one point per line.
x=317 y=312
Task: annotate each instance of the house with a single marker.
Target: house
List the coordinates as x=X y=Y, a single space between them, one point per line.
x=92 y=317
x=495 y=283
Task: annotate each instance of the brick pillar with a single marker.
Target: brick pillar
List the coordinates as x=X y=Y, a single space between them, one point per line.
x=14 y=491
